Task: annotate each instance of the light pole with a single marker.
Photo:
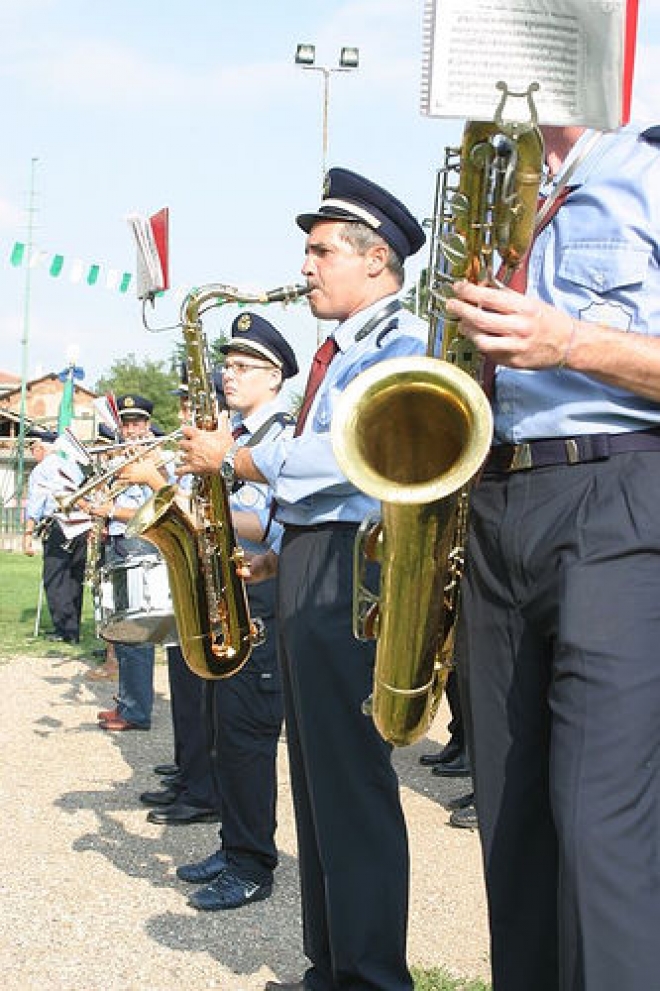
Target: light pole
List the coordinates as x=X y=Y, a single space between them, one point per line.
x=349 y=59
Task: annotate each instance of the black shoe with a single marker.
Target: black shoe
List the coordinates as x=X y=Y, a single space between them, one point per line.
x=166 y=796
x=457 y=768
x=167 y=770
x=448 y=753
x=229 y=891
x=62 y=638
x=464 y=818
x=204 y=871
x=180 y=814
x=461 y=802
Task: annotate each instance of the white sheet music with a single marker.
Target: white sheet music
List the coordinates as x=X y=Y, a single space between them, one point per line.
x=149 y=273
x=573 y=49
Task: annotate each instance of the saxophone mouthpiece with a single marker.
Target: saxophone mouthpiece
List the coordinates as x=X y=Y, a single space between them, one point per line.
x=286 y=294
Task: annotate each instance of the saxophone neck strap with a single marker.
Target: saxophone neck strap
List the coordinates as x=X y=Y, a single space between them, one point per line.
x=382 y=314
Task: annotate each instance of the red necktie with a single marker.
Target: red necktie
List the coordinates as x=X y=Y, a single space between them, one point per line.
x=239 y=431
x=320 y=363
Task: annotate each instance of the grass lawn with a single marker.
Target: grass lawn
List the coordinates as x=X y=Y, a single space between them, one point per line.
x=20 y=578
x=439 y=980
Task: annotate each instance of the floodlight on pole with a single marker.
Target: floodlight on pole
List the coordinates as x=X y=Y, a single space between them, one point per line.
x=349 y=59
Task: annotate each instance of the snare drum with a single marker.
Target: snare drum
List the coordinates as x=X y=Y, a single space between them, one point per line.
x=133 y=602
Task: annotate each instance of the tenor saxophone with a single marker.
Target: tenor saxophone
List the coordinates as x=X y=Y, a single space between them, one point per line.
x=204 y=561
x=414 y=432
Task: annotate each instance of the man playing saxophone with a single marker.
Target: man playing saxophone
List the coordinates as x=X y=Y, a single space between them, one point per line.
x=560 y=618
x=351 y=833
x=247 y=710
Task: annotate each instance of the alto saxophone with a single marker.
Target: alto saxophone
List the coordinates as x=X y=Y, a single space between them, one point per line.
x=414 y=432
x=203 y=558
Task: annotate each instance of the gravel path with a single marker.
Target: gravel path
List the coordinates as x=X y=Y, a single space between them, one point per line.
x=89 y=896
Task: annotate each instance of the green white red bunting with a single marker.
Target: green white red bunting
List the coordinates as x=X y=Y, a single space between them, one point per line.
x=76 y=270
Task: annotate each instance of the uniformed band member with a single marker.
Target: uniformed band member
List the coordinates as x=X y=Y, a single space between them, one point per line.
x=190 y=793
x=352 y=842
x=136 y=661
x=247 y=708
x=562 y=593
x=64 y=541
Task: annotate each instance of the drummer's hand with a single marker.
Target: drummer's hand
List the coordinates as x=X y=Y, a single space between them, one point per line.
x=261 y=567
x=100 y=510
x=202 y=451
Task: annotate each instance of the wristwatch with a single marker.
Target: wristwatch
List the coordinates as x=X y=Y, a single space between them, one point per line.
x=227 y=466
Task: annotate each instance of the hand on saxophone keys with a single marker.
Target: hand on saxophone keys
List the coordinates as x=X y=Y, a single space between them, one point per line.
x=203 y=451
x=260 y=567
x=512 y=329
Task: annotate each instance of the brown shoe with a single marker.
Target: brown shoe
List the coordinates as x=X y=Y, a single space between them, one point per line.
x=117 y=725
x=107 y=714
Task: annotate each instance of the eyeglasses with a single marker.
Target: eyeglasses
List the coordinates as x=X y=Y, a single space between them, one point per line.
x=240 y=368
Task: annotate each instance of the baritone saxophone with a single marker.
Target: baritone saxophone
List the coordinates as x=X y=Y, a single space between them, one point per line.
x=414 y=432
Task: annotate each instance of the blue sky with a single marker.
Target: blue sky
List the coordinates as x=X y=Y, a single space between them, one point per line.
x=136 y=104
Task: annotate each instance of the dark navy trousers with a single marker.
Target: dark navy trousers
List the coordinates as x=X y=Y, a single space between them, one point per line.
x=352 y=841
x=560 y=638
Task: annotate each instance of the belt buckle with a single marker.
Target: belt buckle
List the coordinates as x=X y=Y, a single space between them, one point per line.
x=522 y=457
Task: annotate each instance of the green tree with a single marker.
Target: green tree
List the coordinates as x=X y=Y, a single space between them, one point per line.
x=417 y=298
x=216 y=357
x=151 y=379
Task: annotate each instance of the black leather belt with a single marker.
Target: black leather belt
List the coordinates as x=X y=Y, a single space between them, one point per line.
x=314 y=527
x=552 y=451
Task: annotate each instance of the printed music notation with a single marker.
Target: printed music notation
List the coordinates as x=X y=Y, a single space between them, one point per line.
x=579 y=52
x=152 y=241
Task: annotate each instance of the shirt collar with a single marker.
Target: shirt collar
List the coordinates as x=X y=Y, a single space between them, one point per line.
x=346 y=332
x=255 y=420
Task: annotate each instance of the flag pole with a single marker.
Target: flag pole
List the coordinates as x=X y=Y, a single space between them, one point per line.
x=24 y=347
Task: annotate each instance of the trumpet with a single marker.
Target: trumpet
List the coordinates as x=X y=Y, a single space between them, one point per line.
x=68 y=500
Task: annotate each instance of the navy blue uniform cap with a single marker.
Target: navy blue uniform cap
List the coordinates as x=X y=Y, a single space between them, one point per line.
x=45 y=436
x=254 y=335
x=134 y=405
x=349 y=196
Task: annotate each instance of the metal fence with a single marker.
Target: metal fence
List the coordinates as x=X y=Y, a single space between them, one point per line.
x=11 y=528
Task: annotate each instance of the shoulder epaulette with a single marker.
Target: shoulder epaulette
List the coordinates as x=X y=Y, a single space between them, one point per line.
x=282 y=417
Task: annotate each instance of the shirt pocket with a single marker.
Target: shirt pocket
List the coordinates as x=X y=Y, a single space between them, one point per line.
x=604 y=267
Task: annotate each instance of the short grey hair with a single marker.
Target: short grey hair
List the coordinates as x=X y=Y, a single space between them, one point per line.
x=362 y=237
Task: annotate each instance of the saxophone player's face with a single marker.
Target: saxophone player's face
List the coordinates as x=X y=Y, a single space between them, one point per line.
x=339 y=277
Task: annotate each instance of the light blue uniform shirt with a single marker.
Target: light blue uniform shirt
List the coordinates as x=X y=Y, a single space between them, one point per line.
x=306 y=480
x=131 y=498
x=254 y=497
x=599 y=261
x=51 y=476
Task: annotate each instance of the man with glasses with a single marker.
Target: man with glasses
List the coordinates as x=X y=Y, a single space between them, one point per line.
x=246 y=709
